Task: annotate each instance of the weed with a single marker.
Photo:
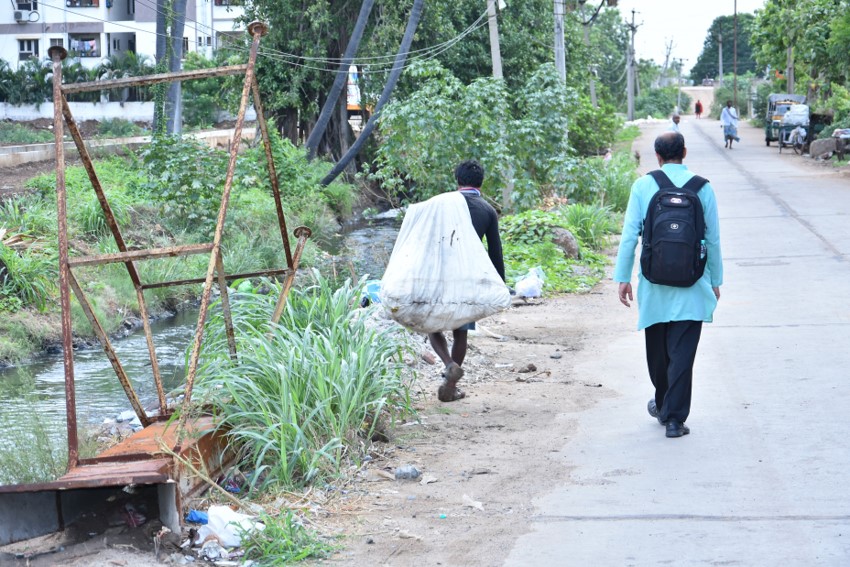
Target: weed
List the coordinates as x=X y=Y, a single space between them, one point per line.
x=283 y=540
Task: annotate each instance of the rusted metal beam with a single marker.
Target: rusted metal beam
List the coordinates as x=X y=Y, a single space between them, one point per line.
x=110 y=352
x=122 y=247
x=130 y=255
x=227 y=277
x=267 y=146
x=257 y=30
x=302 y=233
x=225 y=308
x=154 y=79
x=57 y=54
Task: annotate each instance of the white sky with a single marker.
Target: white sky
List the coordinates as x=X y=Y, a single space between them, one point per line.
x=686 y=22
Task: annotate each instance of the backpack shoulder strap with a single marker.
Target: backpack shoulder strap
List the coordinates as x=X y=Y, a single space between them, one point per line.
x=695 y=183
x=661 y=179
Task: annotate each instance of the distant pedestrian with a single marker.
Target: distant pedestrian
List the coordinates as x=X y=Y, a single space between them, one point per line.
x=729 y=122
x=671 y=317
x=674 y=122
x=698 y=109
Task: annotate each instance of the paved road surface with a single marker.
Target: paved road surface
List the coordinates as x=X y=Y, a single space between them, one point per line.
x=762 y=480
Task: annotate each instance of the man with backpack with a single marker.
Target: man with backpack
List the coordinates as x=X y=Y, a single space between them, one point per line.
x=675 y=214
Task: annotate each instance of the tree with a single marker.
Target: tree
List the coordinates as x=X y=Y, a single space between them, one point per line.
x=723 y=27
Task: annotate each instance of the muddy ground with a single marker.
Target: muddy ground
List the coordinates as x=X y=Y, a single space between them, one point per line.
x=482 y=459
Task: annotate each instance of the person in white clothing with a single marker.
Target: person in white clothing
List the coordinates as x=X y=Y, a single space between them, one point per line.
x=729 y=122
x=674 y=122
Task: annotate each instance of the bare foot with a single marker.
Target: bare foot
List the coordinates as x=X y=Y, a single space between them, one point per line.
x=449 y=392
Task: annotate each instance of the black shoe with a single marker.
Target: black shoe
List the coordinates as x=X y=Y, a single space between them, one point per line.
x=677 y=429
x=652 y=408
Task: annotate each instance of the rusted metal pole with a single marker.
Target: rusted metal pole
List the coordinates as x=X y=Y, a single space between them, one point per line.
x=302 y=233
x=227 y=277
x=264 y=130
x=154 y=79
x=57 y=54
x=225 y=308
x=122 y=246
x=257 y=30
x=167 y=252
x=110 y=352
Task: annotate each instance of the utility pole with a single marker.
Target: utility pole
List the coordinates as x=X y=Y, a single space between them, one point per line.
x=735 y=60
x=679 y=84
x=495 y=52
x=720 y=52
x=560 y=50
x=630 y=72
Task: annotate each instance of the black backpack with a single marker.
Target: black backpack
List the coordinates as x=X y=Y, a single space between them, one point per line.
x=673 y=243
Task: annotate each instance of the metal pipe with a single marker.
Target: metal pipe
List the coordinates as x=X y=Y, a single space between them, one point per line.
x=169 y=251
x=57 y=54
x=122 y=246
x=227 y=277
x=302 y=233
x=154 y=79
x=256 y=29
x=267 y=144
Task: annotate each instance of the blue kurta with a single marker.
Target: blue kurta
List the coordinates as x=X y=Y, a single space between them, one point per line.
x=661 y=303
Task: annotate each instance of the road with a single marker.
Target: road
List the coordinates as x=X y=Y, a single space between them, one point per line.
x=762 y=478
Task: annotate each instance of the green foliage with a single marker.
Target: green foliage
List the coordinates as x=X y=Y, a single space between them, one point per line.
x=660 y=103
x=724 y=27
x=724 y=93
x=283 y=540
x=30 y=276
x=117 y=128
x=527 y=240
x=307 y=393
x=591 y=224
x=122 y=65
x=202 y=99
x=592 y=129
x=444 y=122
x=14 y=133
x=185 y=178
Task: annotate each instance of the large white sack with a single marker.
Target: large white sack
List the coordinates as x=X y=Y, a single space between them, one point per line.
x=439 y=276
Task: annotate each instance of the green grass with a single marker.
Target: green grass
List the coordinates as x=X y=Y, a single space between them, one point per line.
x=13 y=133
x=307 y=395
x=283 y=540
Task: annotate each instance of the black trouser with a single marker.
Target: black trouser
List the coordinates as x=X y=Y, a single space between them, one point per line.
x=670 y=352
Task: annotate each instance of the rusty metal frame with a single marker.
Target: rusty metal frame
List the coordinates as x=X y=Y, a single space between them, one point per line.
x=215 y=271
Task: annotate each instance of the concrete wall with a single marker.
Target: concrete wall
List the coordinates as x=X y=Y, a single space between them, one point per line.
x=100 y=111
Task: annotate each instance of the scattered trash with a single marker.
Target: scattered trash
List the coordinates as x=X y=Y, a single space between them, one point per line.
x=212 y=550
x=228 y=525
x=404 y=534
x=442 y=516
x=369 y=541
x=531 y=284
x=467 y=501
x=556 y=355
x=133 y=517
x=527 y=368
x=428 y=479
x=407 y=472
x=197 y=517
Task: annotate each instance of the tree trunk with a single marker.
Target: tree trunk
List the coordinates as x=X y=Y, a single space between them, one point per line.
x=397 y=68
x=340 y=80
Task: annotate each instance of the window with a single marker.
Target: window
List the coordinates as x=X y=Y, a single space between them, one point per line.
x=131 y=6
x=185 y=46
x=31 y=6
x=57 y=42
x=85 y=45
x=116 y=44
x=82 y=3
x=204 y=40
x=27 y=49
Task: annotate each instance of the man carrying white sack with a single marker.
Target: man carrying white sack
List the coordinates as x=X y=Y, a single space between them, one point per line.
x=469 y=175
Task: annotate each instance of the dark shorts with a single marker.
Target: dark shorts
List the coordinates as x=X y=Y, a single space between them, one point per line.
x=467 y=327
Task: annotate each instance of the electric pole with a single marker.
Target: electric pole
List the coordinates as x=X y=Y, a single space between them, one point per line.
x=495 y=52
x=735 y=60
x=679 y=85
x=560 y=50
x=630 y=71
x=720 y=52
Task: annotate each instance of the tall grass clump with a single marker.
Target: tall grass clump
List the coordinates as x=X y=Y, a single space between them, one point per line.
x=306 y=395
x=283 y=540
x=591 y=224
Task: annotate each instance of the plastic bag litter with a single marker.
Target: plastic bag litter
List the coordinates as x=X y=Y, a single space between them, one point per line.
x=228 y=525
x=531 y=284
x=439 y=276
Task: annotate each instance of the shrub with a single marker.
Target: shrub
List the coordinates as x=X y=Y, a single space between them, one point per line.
x=660 y=103
x=306 y=393
x=14 y=133
x=117 y=128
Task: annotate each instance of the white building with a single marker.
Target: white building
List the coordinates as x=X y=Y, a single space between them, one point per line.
x=94 y=29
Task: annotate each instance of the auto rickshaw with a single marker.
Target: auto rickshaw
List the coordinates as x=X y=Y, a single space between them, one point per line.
x=777 y=105
x=793 y=128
